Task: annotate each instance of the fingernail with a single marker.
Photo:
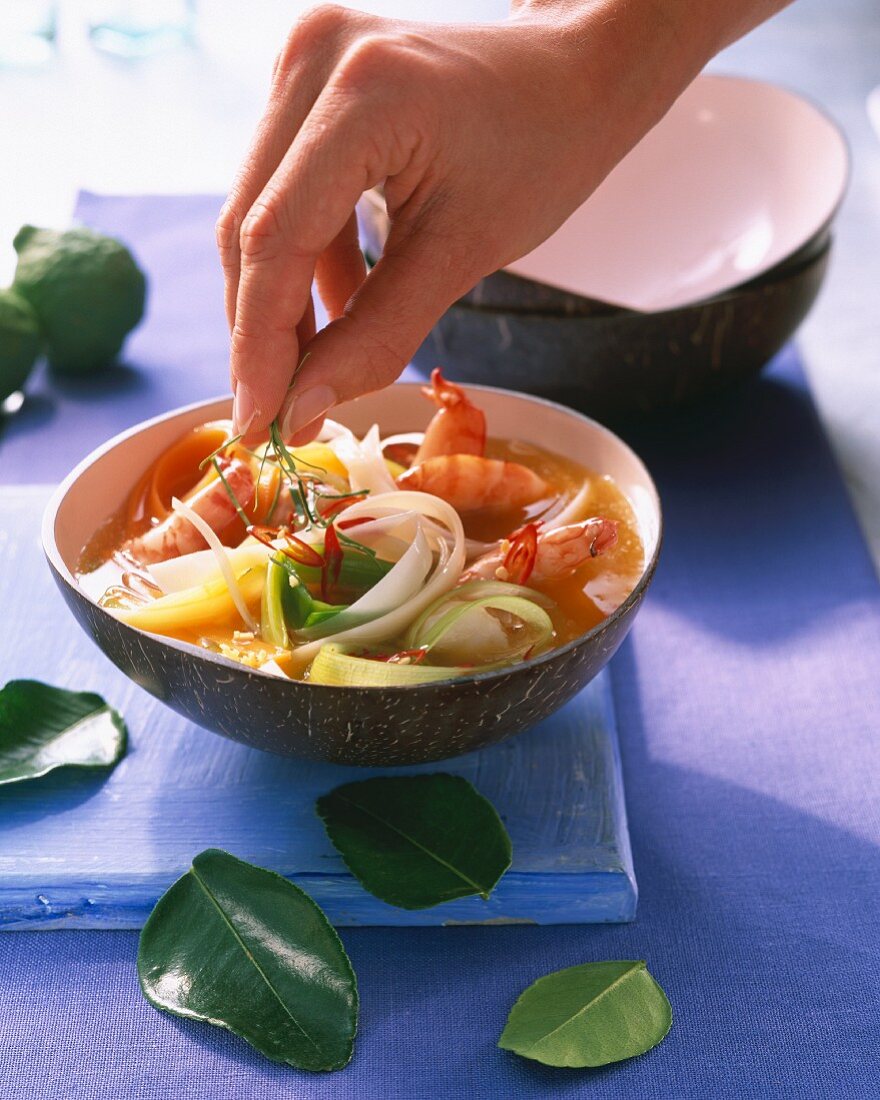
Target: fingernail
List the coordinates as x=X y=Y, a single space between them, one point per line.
x=305 y=407
x=244 y=409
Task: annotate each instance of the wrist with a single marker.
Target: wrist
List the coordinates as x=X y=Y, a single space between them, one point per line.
x=633 y=57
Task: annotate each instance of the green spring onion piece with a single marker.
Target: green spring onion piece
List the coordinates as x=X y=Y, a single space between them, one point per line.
x=236 y=504
x=480 y=588
x=322 y=611
x=297 y=603
x=272 y=625
x=337 y=668
x=493 y=630
x=298 y=608
x=296 y=600
x=358 y=573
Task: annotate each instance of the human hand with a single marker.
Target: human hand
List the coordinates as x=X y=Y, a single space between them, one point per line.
x=486 y=138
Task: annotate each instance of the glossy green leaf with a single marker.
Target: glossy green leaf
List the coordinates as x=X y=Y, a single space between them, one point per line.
x=588 y=1015
x=241 y=947
x=417 y=840
x=44 y=727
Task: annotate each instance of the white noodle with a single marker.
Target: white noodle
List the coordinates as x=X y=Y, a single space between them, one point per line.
x=388 y=536
x=399 y=585
x=572 y=511
x=472 y=547
x=200 y=567
x=210 y=537
x=413 y=438
x=332 y=429
x=364 y=462
x=444 y=576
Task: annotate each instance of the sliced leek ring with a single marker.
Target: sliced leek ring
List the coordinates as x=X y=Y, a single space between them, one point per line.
x=466 y=593
x=337 y=668
x=491 y=631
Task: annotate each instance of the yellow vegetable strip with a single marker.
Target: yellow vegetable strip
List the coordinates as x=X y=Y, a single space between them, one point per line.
x=195 y=609
x=210 y=536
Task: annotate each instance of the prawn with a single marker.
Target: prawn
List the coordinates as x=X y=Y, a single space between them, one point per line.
x=457 y=428
x=470 y=482
x=532 y=554
x=175 y=535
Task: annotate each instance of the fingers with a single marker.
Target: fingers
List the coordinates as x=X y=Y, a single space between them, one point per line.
x=305 y=329
x=306 y=434
x=340 y=269
x=302 y=68
x=362 y=128
x=358 y=133
x=303 y=209
x=242 y=415
x=367 y=348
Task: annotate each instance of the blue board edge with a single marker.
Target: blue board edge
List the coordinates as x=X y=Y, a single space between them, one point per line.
x=606 y=895
x=597 y=897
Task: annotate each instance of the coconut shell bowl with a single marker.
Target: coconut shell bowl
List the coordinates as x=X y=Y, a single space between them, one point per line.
x=685 y=272
x=368 y=726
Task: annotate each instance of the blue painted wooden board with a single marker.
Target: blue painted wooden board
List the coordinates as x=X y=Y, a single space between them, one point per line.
x=89 y=850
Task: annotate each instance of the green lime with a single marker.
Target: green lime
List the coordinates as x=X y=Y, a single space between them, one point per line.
x=87 y=291
x=19 y=342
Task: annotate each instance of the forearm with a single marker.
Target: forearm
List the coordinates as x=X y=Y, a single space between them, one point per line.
x=695 y=29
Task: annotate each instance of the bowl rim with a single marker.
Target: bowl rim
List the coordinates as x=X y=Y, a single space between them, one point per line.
x=60 y=568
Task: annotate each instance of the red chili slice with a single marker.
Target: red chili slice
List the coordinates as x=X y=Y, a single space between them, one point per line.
x=265 y=535
x=329 y=507
x=296 y=549
x=332 y=562
x=519 y=561
x=301 y=551
x=345 y=524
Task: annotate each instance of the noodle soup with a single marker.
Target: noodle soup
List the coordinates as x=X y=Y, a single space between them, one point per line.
x=368 y=561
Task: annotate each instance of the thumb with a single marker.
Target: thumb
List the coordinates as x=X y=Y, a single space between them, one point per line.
x=369 y=345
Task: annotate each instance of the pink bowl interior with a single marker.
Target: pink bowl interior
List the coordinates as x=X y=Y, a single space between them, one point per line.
x=736 y=177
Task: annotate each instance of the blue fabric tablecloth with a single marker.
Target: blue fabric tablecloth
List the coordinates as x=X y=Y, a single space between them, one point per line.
x=747 y=699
